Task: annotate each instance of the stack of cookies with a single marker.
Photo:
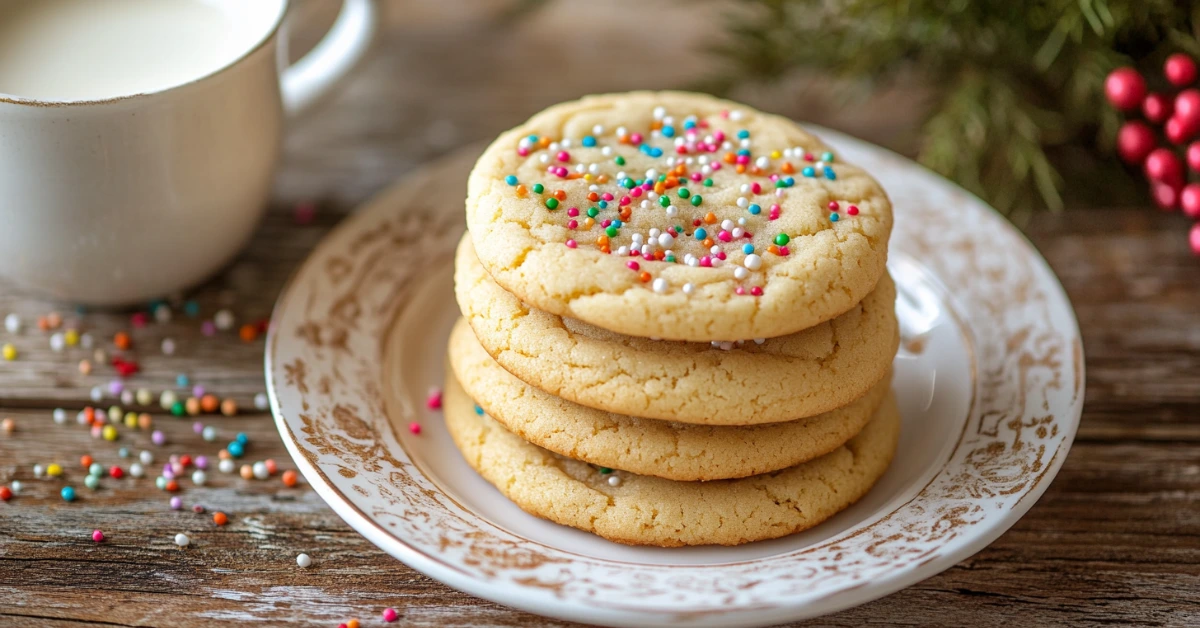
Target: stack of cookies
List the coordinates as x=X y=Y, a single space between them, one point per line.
x=678 y=326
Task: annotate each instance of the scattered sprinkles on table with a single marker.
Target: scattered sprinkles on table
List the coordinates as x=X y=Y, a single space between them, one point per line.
x=693 y=159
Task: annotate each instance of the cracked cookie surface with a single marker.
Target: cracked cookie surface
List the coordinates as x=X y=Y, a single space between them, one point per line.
x=645 y=510
x=789 y=377
x=675 y=451
x=741 y=224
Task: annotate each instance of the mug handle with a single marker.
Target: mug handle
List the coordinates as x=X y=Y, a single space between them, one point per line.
x=310 y=77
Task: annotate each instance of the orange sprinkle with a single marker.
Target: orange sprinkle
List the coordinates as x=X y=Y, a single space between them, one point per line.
x=755 y=170
x=223 y=454
x=209 y=403
x=589 y=223
x=544 y=142
x=671 y=183
x=623 y=138
x=122 y=341
x=353 y=623
x=730 y=158
x=601 y=178
x=575 y=175
x=43 y=323
x=248 y=333
x=85 y=461
x=54 y=319
x=521 y=191
x=604 y=248
x=659 y=255
x=710 y=218
x=741 y=168
x=289 y=478
x=172 y=485
x=602 y=240
x=625 y=213
x=708 y=243
x=145 y=421
x=247 y=472
x=560 y=195
x=644 y=276
x=774 y=250
x=220 y=518
x=656 y=125
x=593 y=197
x=89 y=413
x=787 y=167
x=659 y=187
x=192 y=406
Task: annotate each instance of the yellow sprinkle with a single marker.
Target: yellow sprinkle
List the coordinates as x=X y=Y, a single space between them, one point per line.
x=114 y=414
x=587 y=177
x=54 y=469
x=131 y=419
x=10 y=352
x=109 y=433
x=776 y=154
x=72 y=337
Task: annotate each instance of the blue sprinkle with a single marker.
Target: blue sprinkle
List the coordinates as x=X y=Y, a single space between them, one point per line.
x=747 y=248
x=743 y=134
x=829 y=174
x=182 y=380
x=668 y=131
x=616 y=223
x=603 y=204
x=242 y=438
x=754 y=209
x=511 y=179
x=789 y=182
x=689 y=123
x=745 y=152
x=657 y=152
x=191 y=308
x=532 y=139
x=478 y=410
x=701 y=234
x=809 y=172
x=68 y=493
x=833 y=217
x=236 y=449
x=589 y=141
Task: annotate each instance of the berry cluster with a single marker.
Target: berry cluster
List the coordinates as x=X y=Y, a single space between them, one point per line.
x=1178 y=116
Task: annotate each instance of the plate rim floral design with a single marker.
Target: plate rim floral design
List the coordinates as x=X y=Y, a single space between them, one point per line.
x=324 y=430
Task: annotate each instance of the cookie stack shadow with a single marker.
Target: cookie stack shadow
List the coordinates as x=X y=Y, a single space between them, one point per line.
x=671 y=443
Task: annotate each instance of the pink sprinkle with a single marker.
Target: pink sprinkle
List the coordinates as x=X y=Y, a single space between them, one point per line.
x=635 y=192
x=571 y=244
x=724 y=114
x=414 y=427
x=756 y=188
x=201 y=462
x=721 y=255
x=633 y=265
x=739 y=290
x=756 y=291
x=97 y=536
x=198 y=391
x=625 y=200
x=636 y=138
x=774 y=177
x=563 y=156
x=808 y=157
x=725 y=236
x=649 y=257
x=716 y=165
x=139 y=319
x=743 y=159
x=522 y=151
x=852 y=210
x=304 y=213
x=719 y=136
x=696 y=176
x=607 y=196
x=434 y=400
x=208 y=328
x=681 y=150
x=573 y=212
x=606 y=222
x=647 y=186
x=572 y=224
x=783 y=251
x=390 y=615
x=833 y=206
x=706 y=261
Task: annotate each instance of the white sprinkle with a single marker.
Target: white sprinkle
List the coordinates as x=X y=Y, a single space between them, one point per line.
x=38 y=470
x=147 y=457
x=622 y=251
x=671 y=211
x=659 y=113
x=544 y=158
x=621 y=131
x=706 y=170
x=743 y=202
x=753 y=261
x=580 y=168
x=81 y=418
x=745 y=187
x=15 y=485
x=726 y=145
x=621 y=175
x=199 y=477
x=225 y=466
x=304 y=561
x=136 y=470
x=57 y=342
x=260 y=470
x=688 y=288
x=714 y=249
x=738 y=232
x=703 y=159
x=12 y=323
x=717 y=262
x=740 y=273
x=554 y=146
x=759 y=341
x=762 y=162
x=167 y=399
x=162 y=313
x=614 y=480
x=209 y=433
x=261 y=402
x=224 y=320
x=726 y=346
x=606 y=151
x=96 y=393
x=182 y=540
x=666 y=240
x=598 y=129
x=127 y=397
x=144 y=396
x=659 y=285
x=727 y=224
x=593 y=168
x=742 y=221
x=60 y=416
x=86 y=341
x=735 y=115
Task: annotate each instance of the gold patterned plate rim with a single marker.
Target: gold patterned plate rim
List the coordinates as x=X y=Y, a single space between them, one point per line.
x=325 y=364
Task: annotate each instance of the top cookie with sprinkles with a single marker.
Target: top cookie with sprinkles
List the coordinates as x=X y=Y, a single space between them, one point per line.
x=676 y=215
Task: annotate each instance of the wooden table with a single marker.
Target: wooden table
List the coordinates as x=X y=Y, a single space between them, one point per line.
x=1116 y=539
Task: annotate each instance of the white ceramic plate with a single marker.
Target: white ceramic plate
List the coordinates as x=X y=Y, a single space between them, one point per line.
x=989 y=378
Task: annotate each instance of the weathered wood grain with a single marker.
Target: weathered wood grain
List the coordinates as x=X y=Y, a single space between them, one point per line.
x=1115 y=540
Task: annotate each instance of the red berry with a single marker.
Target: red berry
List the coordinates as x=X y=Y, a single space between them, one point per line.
x=1165 y=196
x=1189 y=200
x=1179 y=130
x=1180 y=70
x=1125 y=88
x=1193 y=156
x=1157 y=108
x=1194 y=238
x=1135 y=140
x=1164 y=166
x=1187 y=105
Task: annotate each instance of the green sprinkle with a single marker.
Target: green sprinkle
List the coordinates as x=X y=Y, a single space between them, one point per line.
x=782 y=239
x=670 y=258
x=605 y=470
x=697 y=199
x=177 y=408
x=620 y=161
x=538 y=188
x=552 y=203
x=664 y=201
x=827 y=157
x=592 y=212
x=708 y=183
x=611 y=231
x=683 y=193
x=662 y=178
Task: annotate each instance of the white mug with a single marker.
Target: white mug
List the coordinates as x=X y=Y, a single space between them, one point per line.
x=117 y=200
